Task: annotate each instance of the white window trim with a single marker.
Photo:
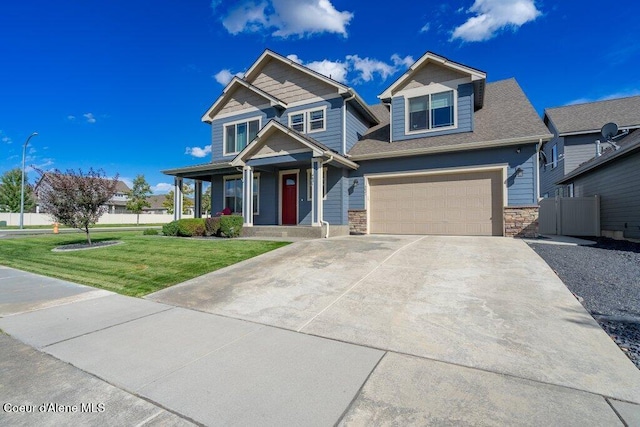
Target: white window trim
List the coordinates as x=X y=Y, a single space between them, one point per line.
x=431 y=89
x=325 y=183
x=234 y=177
x=306 y=114
x=224 y=133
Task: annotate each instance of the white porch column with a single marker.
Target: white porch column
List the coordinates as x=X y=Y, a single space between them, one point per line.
x=247 y=195
x=177 y=198
x=317 y=179
x=197 y=198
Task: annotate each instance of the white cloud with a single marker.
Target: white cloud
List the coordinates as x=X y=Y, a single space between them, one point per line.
x=5 y=138
x=198 y=152
x=71 y=117
x=90 y=117
x=43 y=165
x=621 y=94
x=355 y=69
x=491 y=16
x=286 y=17
x=161 y=188
x=224 y=76
x=425 y=28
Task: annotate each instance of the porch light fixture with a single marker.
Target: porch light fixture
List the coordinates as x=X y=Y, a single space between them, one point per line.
x=518 y=150
x=355 y=182
x=519 y=172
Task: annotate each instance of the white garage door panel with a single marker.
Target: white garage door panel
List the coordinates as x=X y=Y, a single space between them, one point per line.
x=449 y=204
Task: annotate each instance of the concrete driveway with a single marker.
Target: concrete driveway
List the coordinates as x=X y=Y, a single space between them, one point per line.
x=489 y=304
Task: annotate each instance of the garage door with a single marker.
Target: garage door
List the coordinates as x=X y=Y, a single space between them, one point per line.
x=465 y=204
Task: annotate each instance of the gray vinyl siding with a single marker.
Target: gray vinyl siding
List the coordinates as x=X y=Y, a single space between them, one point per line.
x=464 y=112
x=335 y=205
x=332 y=136
x=618 y=186
x=217 y=130
x=356 y=127
x=548 y=175
x=579 y=149
x=521 y=191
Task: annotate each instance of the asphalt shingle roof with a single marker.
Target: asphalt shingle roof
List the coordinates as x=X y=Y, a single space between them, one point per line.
x=625 y=112
x=507 y=115
x=627 y=144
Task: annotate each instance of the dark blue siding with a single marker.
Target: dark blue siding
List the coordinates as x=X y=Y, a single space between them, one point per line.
x=356 y=127
x=332 y=136
x=521 y=190
x=465 y=116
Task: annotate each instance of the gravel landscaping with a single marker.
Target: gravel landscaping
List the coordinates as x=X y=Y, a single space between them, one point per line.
x=606 y=277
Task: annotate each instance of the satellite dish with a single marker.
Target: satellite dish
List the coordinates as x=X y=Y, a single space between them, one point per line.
x=609 y=131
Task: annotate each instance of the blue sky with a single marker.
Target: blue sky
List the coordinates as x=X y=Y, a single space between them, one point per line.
x=121 y=85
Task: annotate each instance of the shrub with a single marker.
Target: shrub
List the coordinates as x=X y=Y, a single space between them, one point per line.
x=231 y=225
x=212 y=226
x=170 y=229
x=150 y=232
x=190 y=227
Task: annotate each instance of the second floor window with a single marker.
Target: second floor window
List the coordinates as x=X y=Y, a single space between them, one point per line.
x=431 y=111
x=238 y=135
x=554 y=156
x=308 y=121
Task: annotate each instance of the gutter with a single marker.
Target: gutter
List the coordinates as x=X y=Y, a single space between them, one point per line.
x=322 y=221
x=452 y=148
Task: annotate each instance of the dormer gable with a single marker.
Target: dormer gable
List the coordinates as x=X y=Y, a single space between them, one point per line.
x=239 y=95
x=435 y=69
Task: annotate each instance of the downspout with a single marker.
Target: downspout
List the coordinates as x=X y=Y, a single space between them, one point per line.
x=539 y=147
x=344 y=123
x=322 y=221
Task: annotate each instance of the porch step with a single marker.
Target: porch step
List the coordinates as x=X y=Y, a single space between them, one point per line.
x=283 y=231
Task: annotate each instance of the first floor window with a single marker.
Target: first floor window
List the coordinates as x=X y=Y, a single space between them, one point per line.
x=431 y=111
x=238 y=135
x=310 y=184
x=570 y=190
x=233 y=193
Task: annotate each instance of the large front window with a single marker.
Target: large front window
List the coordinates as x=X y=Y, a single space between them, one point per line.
x=238 y=135
x=431 y=111
x=233 y=193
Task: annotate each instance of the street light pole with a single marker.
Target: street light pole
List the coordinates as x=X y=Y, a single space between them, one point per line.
x=24 y=154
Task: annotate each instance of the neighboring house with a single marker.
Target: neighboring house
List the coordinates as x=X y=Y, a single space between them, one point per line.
x=117 y=204
x=576 y=128
x=157 y=205
x=614 y=177
x=444 y=153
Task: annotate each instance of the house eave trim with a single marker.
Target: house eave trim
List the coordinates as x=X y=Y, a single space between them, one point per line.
x=453 y=148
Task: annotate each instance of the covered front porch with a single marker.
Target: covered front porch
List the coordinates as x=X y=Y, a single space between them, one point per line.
x=282 y=179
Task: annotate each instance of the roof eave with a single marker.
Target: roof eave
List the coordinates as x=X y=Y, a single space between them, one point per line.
x=452 y=148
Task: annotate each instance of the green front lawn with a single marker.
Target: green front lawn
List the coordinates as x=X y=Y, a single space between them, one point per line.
x=143 y=264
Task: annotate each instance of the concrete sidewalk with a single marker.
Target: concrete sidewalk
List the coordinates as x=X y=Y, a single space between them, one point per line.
x=154 y=364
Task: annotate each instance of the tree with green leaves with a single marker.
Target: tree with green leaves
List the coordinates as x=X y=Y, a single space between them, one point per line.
x=138 y=196
x=187 y=203
x=10 y=188
x=206 y=202
x=76 y=199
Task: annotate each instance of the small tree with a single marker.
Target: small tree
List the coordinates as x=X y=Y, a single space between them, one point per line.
x=206 y=202
x=138 y=196
x=76 y=199
x=186 y=202
x=10 y=189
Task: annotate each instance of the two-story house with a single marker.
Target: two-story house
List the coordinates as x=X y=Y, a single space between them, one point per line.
x=444 y=152
x=576 y=130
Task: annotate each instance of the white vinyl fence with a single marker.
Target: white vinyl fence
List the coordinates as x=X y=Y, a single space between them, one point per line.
x=570 y=216
x=44 y=219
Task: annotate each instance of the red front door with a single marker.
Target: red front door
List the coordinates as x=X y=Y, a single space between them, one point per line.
x=290 y=199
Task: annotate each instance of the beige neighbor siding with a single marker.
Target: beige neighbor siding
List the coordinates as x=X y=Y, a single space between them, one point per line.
x=279 y=144
x=290 y=85
x=466 y=204
x=241 y=99
x=431 y=73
